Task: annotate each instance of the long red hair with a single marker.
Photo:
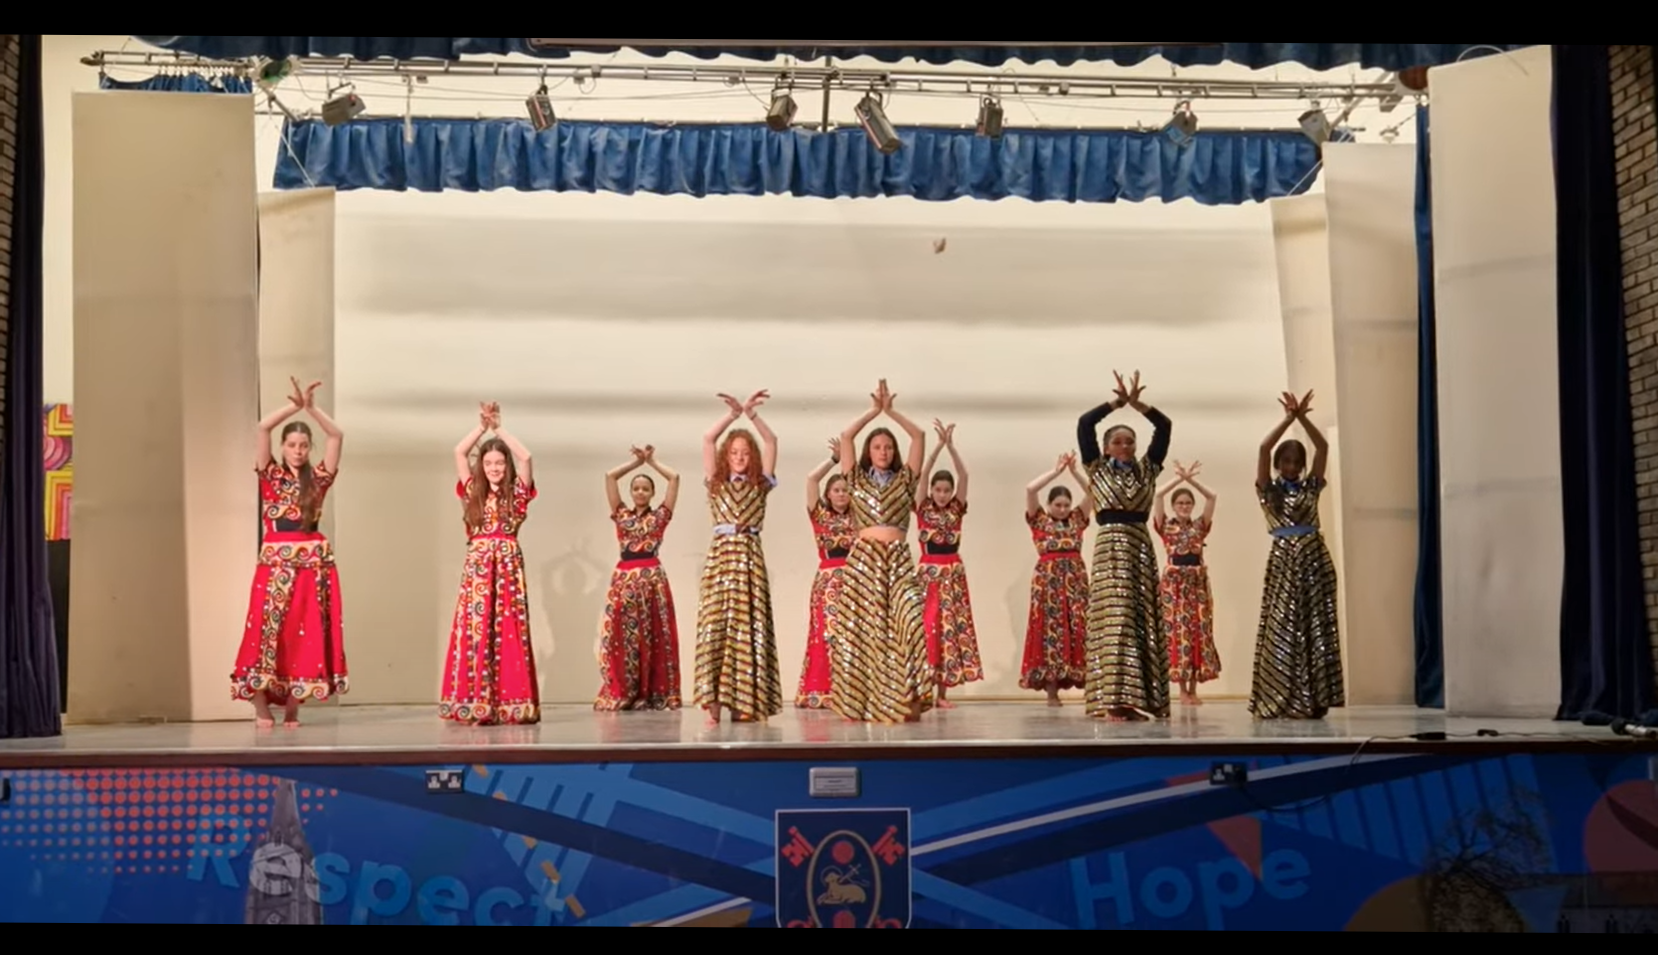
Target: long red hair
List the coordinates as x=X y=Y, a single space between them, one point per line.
x=722 y=461
x=477 y=497
x=310 y=502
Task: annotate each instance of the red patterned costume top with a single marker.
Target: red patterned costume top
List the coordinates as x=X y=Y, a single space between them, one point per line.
x=835 y=532
x=279 y=498
x=640 y=533
x=499 y=522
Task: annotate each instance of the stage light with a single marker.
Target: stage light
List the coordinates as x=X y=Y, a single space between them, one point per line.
x=343 y=106
x=542 y=116
x=991 y=118
x=782 y=112
x=273 y=72
x=1182 y=126
x=1315 y=125
x=876 y=126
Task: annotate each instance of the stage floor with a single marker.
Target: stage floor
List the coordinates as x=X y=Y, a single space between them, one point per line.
x=413 y=735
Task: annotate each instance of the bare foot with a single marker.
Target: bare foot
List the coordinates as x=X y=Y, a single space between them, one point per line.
x=1126 y=715
x=713 y=717
x=290 y=715
x=944 y=704
x=264 y=720
x=1054 y=701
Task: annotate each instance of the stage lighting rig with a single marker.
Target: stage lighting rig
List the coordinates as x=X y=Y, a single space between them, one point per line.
x=542 y=116
x=343 y=106
x=780 y=116
x=1182 y=126
x=991 y=118
x=272 y=72
x=1315 y=125
x=873 y=118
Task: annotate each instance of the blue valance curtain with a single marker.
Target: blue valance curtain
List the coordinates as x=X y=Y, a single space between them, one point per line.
x=1321 y=56
x=180 y=83
x=1219 y=168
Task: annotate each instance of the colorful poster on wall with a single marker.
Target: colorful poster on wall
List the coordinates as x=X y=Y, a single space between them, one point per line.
x=59 y=444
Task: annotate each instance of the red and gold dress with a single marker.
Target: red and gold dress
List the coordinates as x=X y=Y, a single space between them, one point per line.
x=292 y=644
x=489 y=674
x=639 y=636
x=736 y=639
x=1188 y=604
x=952 y=640
x=835 y=533
x=1056 y=632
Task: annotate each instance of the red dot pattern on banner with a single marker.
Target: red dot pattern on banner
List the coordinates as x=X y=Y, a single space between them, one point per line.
x=142 y=822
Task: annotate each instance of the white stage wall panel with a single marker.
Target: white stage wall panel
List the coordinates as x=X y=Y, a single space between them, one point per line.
x=166 y=352
x=1499 y=431
x=1301 y=235
x=1370 y=197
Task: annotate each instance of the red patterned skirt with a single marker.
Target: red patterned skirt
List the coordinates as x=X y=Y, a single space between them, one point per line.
x=1056 y=632
x=815 y=685
x=952 y=640
x=489 y=672
x=638 y=641
x=292 y=647
x=1189 y=614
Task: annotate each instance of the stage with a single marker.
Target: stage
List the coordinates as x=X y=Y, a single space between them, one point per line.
x=986 y=816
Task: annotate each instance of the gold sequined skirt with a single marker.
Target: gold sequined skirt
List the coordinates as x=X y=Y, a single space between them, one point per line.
x=736 y=642
x=877 y=637
x=1298 y=672
x=1128 y=661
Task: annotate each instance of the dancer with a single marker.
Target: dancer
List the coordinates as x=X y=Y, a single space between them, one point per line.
x=876 y=631
x=830 y=508
x=639 y=636
x=1128 y=664
x=736 y=645
x=1188 y=603
x=489 y=674
x=1056 y=631
x=1298 y=672
x=293 y=648
x=952 y=640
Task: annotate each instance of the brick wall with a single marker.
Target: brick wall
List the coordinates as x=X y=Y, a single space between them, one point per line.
x=1636 y=141
x=8 y=158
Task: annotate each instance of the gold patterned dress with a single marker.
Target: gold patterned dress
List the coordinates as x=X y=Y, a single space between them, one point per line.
x=876 y=632
x=1128 y=661
x=736 y=642
x=1298 y=672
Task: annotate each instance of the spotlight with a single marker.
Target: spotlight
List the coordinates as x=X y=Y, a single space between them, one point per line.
x=876 y=126
x=991 y=117
x=273 y=72
x=1182 y=126
x=343 y=106
x=1315 y=125
x=542 y=116
x=781 y=114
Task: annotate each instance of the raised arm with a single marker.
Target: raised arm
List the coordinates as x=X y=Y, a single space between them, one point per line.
x=1209 y=498
x=1263 y=463
x=1087 y=502
x=333 y=437
x=814 y=481
x=1159 y=506
x=849 y=436
x=521 y=458
x=947 y=437
x=768 y=438
x=925 y=474
x=1088 y=431
x=262 y=452
x=711 y=440
x=918 y=438
x=1321 y=447
x=670 y=498
x=463 y=451
x=1033 y=490
x=613 y=480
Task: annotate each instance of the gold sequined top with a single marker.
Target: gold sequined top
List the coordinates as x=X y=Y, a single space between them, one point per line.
x=740 y=504
x=877 y=506
x=1291 y=504
x=1124 y=487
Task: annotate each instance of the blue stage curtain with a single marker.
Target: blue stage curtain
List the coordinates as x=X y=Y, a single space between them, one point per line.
x=1218 y=168
x=1430 y=639
x=185 y=83
x=1321 y=56
x=30 y=704
x=1606 y=666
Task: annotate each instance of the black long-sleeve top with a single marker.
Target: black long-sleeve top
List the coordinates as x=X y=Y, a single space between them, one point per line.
x=1088 y=438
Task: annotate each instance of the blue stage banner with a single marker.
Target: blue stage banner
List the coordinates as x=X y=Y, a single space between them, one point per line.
x=1443 y=843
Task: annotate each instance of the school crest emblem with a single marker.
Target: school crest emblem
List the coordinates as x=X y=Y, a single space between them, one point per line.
x=843 y=869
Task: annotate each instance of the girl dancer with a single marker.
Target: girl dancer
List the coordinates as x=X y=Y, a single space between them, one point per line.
x=489 y=674
x=1298 y=673
x=292 y=646
x=877 y=638
x=1128 y=663
x=736 y=645
x=835 y=530
x=1188 y=605
x=952 y=641
x=639 y=637
x=1056 y=631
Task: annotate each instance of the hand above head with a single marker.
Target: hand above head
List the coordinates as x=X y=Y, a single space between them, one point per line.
x=1065 y=462
x=640 y=455
x=946 y=433
x=883 y=397
x=311 y=394
x=1304 y=407
x=732 y=403
x=1128 y=392
x=297 y=396
x=759 y=398
x=834 y=449
x=1291 y=405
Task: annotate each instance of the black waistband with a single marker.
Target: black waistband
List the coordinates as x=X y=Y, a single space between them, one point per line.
x=837 y=553
x=295 y=527
x=942 y=550
x=1106 y=518
x=631 y=556
x=1186 y=560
